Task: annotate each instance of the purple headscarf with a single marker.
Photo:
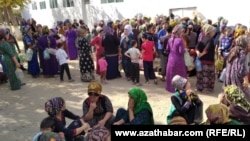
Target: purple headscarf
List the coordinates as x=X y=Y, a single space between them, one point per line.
x=54 y=106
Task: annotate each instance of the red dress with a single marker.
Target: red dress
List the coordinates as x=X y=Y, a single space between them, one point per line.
x=97 y=42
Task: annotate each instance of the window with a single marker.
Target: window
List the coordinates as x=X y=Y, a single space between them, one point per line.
x=110 y=1
x=86 y=1
x=34 y=6
x=183 y=12
x=43 y=5
x=68 y=3
x=53 y=3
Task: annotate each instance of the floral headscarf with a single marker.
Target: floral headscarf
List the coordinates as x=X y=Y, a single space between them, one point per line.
x=207 y=28
x=178 y=29
x=54 y=106
x=98 y=133
x=241 y=43
x=140 y=100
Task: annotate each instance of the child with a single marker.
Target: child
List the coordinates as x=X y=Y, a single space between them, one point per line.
x=103 y=68
x=46 y=131
x=134 y=55
x=148 y=50
x=62 y=58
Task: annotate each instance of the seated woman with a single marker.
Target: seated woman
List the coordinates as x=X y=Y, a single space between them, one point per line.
x=97 y=108
x=56 y=109
x=139 y=111
x=219 y=114
x=185 y=102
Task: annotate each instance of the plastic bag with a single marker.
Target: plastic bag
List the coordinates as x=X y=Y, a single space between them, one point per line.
x=198 y=65
x=46 y=55
x=223 y=75
x=19 y=74
x=141 y=64
x=29 y=54
x=219 y=63
x=188 y=61
x=52 y=51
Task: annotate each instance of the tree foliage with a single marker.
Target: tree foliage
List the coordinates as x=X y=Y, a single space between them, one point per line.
x=6 y=10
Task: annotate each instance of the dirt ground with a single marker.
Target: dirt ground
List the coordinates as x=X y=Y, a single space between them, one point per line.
x=22 y=111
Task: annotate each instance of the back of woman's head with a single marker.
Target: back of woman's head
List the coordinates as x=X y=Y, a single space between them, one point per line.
x=54 y=106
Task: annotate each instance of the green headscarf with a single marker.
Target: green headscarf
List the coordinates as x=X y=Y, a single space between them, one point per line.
x=141 y=102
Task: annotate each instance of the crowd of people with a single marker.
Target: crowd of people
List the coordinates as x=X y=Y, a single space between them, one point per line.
x=185 y=46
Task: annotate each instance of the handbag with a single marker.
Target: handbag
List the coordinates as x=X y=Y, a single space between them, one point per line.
x=223 y=75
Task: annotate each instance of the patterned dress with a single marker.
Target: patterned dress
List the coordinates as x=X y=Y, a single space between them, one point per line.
x=85 y=60
x=7 y=52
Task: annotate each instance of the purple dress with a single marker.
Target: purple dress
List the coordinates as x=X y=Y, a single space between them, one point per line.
x=176 y=63
x=71 y=36
x=51 y=66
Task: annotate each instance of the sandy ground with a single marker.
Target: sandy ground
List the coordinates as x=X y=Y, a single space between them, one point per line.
x=22 y=111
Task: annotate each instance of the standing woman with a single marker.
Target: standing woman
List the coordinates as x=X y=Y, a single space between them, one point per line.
x=97 y=42
x=111 y=44
x=9 y=61
x=50 y=66
x=71 y=35
x=205 y=50
x=85 y=60
x=176 y=63
x=33 y=66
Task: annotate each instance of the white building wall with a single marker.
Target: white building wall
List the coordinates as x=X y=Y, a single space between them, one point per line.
x=95 y=11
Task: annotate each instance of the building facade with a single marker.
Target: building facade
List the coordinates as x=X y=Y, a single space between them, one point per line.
x=48 y=12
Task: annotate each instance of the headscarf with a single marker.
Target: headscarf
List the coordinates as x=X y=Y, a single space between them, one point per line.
x=45 y=30
x=178 y=120
x=172 y=23
x=238 y=32
x=54 y=106
x=129 y=28
x=241 y=43
x=95 y=87
x=179 y=82
x=207 y=28
x=98 y=133
x=217 y=114
x=177 y=31
x=108 y=28
x=141 y=103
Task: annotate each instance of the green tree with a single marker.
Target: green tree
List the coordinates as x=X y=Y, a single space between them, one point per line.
x=6 y=9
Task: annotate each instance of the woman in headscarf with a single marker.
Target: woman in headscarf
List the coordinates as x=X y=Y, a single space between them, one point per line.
x=97 y=42
x=176 y=63
x=205 y=51
x=219 y=114
x=29 y=41
x=9 y=61
x=56 y=109
x=139 y=111
x=97 y=108
x=125 y=44
x=237 y=74
x=71 y=35
x=49 y=66
x=111 y=45
x=185 y=103
x=85 y=60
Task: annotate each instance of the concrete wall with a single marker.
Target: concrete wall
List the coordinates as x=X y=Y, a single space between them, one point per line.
x=127 y=9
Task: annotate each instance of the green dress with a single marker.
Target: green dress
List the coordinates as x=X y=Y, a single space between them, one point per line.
x=7 y=52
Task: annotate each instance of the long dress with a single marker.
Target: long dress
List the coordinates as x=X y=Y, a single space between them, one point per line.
x=33 y=65
x=7 y=53
x=176 y=63
x=50 y=66
x=97 y=42
x=71 y=36
x=85 y=60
